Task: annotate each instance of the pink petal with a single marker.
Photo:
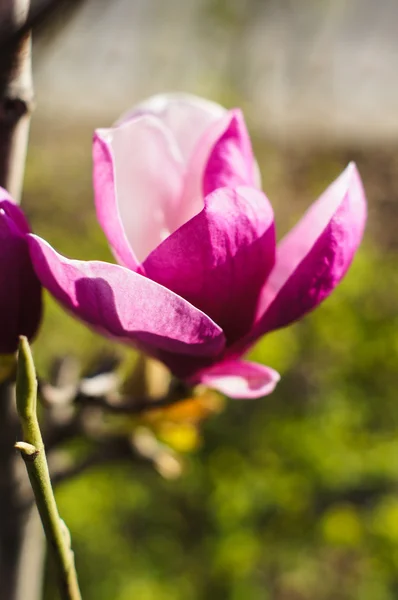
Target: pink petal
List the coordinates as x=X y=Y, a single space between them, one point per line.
x=126 y=305
x=231 y=161
x=222 y=157
x=240 y=379
x=108 y=213
x=186 y=116
x=315 y=255
x=220 y=259
x=20 y=290
x=13 y=211
x=137 y=184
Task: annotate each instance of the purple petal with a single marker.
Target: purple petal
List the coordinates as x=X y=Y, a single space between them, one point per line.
x=231 y=162
x=241 y=379
x=186 y=116
x=222 y=157
x=20 y=290
x=220 y=259
x=315 y=255
x=192 y=200
x=106 y=203
x=126 y=305
x=138 y=180
x=13 y=211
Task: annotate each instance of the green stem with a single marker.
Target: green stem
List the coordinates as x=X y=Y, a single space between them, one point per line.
x=33 y=453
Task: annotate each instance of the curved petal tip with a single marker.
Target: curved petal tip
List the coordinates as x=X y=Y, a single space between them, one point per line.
x=241 y=379
x=315 y=255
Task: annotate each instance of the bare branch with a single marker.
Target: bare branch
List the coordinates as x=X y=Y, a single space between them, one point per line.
x=16 y=97
x=73 y=408
x=41 y=12
x=113 y=449
x=132 y=406
x=58 y=432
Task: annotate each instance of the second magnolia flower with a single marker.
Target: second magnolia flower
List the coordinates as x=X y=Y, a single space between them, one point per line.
x=200 y=277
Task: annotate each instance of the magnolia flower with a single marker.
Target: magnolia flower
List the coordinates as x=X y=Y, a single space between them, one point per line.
x=20 y=289
x=200 y=278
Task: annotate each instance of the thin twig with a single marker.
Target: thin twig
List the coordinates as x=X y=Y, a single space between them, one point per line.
x=114 y=449
x=57 y=432
x=135 y=406
x=33 y=453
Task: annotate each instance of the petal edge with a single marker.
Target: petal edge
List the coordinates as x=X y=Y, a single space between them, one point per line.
x=314 y=256
x=126 y=305
x=241 y=379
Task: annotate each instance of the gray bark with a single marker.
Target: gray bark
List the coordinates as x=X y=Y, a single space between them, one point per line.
x=21 y=540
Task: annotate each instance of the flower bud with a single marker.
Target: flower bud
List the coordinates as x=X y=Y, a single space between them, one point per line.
x=20 y=289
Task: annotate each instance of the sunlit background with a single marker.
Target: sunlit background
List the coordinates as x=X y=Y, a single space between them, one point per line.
x=295 y=496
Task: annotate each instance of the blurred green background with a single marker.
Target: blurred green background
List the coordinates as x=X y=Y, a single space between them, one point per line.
x=292 y=497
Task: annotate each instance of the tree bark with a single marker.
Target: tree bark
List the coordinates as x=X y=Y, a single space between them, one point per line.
x=21 y=540
x=10 y=520
x=16 y=97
